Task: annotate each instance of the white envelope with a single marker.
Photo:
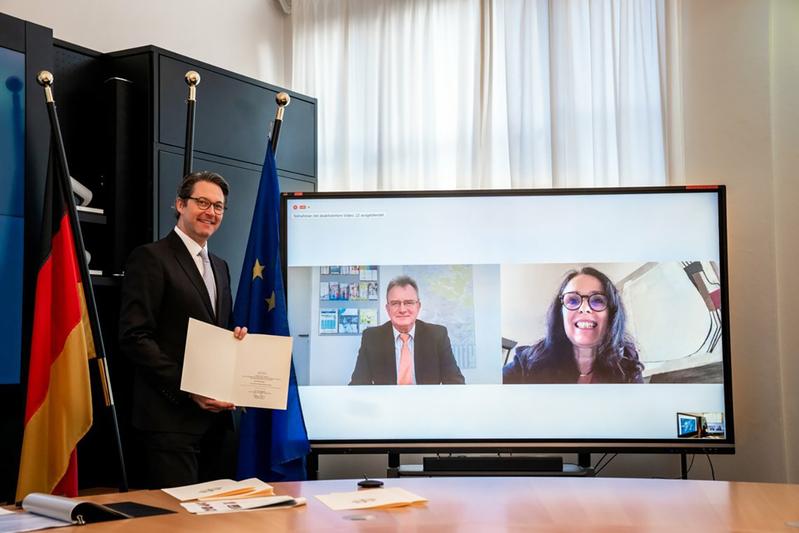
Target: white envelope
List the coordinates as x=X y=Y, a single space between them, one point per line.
x=370 y=499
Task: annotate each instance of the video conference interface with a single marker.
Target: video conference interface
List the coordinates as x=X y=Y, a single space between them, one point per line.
x=535 y=317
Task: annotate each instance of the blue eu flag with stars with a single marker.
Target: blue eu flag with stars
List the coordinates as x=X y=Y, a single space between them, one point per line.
x=272 y=444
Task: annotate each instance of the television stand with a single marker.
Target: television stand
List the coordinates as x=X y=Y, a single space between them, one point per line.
x=514 y=465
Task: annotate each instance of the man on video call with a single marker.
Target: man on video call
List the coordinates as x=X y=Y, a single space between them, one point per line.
x=405 y=351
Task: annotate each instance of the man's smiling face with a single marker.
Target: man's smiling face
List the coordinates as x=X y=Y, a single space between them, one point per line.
x=200 y=224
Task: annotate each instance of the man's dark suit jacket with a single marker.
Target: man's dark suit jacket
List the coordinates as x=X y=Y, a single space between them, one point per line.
x=161 y=290
x=432 y=357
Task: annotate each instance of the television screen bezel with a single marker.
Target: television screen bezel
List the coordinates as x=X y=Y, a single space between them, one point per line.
x=675 y=445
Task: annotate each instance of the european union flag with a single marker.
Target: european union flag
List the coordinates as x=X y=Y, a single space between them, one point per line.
x=272 y=444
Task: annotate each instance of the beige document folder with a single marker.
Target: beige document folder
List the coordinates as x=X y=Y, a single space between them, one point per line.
x=252 y=372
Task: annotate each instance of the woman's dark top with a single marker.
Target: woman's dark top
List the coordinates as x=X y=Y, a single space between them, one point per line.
x=536 y=364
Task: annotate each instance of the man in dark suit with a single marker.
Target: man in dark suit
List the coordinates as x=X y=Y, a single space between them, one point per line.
x=186 y=438
x=405 y=351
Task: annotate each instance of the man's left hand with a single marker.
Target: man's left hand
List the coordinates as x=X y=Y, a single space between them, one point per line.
x=240 y=332
x=209 y=404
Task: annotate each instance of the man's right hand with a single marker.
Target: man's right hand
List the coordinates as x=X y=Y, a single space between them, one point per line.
x=209 y=404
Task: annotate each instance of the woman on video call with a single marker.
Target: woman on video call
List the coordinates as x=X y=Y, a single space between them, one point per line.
x=586 y=341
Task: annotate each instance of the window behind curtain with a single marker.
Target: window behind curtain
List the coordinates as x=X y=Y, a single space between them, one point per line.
x=436 y=94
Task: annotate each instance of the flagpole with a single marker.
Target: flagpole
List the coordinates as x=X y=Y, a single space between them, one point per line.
x=192 y=80
x=45 y=79
x=273 y=444
x=283 y=100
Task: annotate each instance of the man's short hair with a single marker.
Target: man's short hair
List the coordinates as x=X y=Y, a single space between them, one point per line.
x=402 y=281
x=187 y=185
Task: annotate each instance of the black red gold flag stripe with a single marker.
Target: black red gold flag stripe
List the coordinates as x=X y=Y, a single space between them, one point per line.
x=58 y=409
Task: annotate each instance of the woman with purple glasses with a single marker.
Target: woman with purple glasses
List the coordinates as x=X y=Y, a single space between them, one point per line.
x=586 y=341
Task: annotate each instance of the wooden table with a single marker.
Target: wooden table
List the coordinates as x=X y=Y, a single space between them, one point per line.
x=502 y=504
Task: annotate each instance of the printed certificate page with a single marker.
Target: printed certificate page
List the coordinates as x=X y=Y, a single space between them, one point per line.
x=252 y=372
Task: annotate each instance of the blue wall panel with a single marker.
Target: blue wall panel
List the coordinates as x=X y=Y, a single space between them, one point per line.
x=11 y=230
x=12 y=211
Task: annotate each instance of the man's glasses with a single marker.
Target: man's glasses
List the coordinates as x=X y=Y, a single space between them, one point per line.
x=572 y=301
x=395 y=304
x=205 y=203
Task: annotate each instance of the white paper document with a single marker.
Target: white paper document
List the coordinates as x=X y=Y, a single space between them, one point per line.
x=25 y=521
x=246 y=488
x=252 y=372
x=248 y=504
x=221 y=489
x=370 y=499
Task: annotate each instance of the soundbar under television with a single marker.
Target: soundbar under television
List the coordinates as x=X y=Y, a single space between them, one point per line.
x=574 y=319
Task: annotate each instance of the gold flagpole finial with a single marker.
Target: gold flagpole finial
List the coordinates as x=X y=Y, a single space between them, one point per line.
x=45 y=79
x=192 y=80
x=282 y=99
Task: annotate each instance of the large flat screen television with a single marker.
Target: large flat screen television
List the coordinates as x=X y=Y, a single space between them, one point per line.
x=577 y=319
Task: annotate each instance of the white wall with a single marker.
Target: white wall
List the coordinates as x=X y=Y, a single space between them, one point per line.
x=245 y=36
x=785 y=134
x=730 y=138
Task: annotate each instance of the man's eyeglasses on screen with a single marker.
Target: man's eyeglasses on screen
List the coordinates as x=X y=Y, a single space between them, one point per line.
x=395 y=304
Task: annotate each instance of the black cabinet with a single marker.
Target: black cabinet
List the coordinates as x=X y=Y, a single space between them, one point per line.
x=124 y=118
x=233 y=119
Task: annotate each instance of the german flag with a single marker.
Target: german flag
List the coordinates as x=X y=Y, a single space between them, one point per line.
x=58 y=411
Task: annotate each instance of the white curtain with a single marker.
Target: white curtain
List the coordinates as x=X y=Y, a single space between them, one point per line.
x=451 y=94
